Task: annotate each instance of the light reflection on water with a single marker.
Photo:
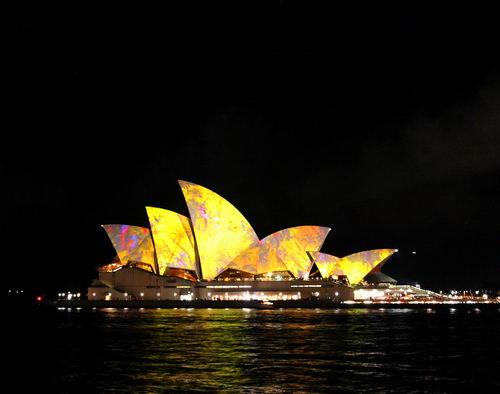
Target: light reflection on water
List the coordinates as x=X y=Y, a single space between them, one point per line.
x=309 y=350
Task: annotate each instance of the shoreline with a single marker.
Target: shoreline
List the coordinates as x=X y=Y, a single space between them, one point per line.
x=290 y=304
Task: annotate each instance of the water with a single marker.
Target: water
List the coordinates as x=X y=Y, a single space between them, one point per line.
x=308 y=350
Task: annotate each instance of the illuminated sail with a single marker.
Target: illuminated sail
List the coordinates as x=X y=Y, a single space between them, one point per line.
x=132 y=243
x=355 y=266
x=358 y=265
x=259 y=259
x=327 y=264
x=283 y=250
x=173 y=240
x=295 y=242
x=221 y=231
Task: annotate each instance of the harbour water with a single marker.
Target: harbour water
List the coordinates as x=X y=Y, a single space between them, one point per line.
x=250 y=350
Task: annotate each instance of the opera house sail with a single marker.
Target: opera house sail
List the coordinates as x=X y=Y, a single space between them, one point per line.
x=215 y=254
x=285 y=250
x=221 y=231
x=355 y=266
x=173 y=240
x=132 y=244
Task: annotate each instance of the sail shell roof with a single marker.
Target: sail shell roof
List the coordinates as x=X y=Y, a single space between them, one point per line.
x=221 y=231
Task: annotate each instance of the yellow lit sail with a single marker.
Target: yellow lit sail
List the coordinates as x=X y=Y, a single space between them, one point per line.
x=247 y=261
x=284 y=250
x=355 y=266
x=261 y=258
x=221 y=231
x=326 y=263
x=132 y=243
x=358 y=265
x=295 y=242
x=173 y=240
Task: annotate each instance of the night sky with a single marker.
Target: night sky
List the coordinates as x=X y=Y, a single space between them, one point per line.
x=381 y=123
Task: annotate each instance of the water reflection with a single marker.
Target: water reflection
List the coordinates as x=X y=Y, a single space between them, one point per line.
x=350 y=350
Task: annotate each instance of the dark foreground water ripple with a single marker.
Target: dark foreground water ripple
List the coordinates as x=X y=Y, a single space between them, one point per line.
x=238 y=350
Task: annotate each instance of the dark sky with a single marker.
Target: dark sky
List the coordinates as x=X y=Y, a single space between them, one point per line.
x=382 y=123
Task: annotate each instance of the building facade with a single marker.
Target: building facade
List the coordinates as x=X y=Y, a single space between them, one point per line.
x=136 y=284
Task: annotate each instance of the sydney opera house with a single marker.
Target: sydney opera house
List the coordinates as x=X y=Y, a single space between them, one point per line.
x=215 y=254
